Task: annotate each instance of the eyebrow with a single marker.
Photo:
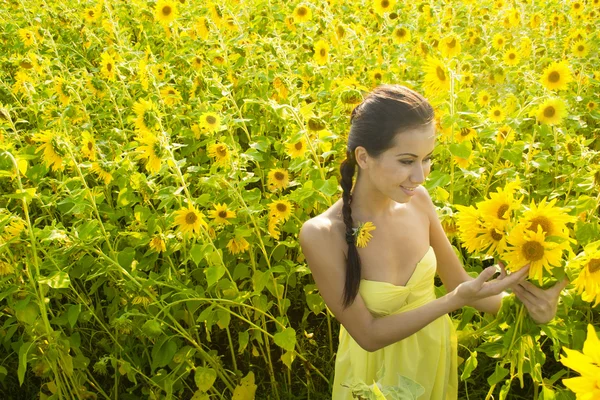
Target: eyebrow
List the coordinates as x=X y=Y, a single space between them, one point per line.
x=411 y=154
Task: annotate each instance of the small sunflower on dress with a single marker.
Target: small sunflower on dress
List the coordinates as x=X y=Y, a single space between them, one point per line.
x=362 y=233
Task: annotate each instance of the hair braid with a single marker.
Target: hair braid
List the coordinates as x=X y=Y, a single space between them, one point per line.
x=352 y=282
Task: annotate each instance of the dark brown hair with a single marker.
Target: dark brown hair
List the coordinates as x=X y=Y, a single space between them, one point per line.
x=385 y=112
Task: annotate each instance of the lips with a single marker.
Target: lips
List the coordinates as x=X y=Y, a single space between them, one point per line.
x=408 y=188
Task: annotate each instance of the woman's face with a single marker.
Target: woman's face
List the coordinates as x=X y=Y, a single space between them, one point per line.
x=404 y=166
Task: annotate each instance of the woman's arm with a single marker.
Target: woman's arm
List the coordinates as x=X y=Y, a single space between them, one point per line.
x=322 y=250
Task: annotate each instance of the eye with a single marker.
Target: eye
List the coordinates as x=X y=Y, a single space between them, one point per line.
x=406 y=162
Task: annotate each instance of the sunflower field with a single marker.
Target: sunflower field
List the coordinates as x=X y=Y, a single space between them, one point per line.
x=158 y=158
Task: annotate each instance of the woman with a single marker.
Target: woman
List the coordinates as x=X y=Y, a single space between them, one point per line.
x=392 y=325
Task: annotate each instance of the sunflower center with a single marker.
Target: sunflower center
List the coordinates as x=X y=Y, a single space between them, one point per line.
x=440 y=73
x=554 y=77
x=211 y=120
x=497 y=113
x=298 y=146
x=377 y=76
x=576 y=6
x=281 y=207
x=109 y=67
x=503 y=208
x=512 y=56
x=549 y=112
x=166 y=11
x=222 y=151
x=223 y=214
x=464 y=132
x=484 y=98
x=385 y=4
x=533 y=251
x=594 y=265
x=302 y=11
x=91 y=13
x=503 y=133
x=90 y=145
x=341 y=32
x=279 y=176
x=580 y=47
x=171 y=92
x=542 y=221
x=401 y=32
x=452 y=43
x=191 y=218
x=322 y=52
x=495 y=235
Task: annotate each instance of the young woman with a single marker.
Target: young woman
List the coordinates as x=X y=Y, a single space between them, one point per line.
x=383 y=294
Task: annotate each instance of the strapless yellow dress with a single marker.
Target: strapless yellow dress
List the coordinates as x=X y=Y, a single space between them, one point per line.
x=428 y=357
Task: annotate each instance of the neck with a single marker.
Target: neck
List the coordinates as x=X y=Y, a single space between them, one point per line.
x=369 y=204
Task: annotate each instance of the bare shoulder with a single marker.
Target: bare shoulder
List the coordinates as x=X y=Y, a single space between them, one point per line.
x=321 y=231
x=424 y=202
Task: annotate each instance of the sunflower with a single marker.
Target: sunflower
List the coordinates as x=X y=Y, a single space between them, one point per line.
x=197 y=63
x=383 y=6
x=238 y=245
x=88 y=146
x=160 y=71
x=220 y=152
x=302 y=13
x=321 y=55
x=498 y=41
x=464 y=134
x=27 y=37
x=467 y=79
x=437 y=77
x=165 y=11
x=470 y=227
x=281 y=210
x=551 y=111
x=170 y=95
x=587 y=364
x=108 y=66
x=189 y=220
x=498 y=208
x=151 y=150
x=401 y=35
x=449 y=46
x=463 y=162
x=496 y=114
x=511 y=57
x=91 y=14
x=527 y=247
x=6 y=268
x=297 y=149
x=557 y=76
x=62 y=90
x=103 y=171
x=53 y=150
x=376 y=76
x=483 y=98
x=525 y=47
x=505 y=134
x=12 y=229
x=145 y=115
x=580 y=49
x=210 y=122
x=277 y=179
x=272 y=228
x=553 y=220
x=221 y=214
x=362 y=233
x=157 y=244
x=587 y=282
x=201 y=27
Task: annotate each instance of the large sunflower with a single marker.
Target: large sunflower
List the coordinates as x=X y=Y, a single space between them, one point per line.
x=165 y=11
x=189 y=220
x=221 y=214
x=450 y=46
x=437 y=77
x=464 y=134
x=587 y=282
x=151 y=150
x=302 y=13
x=511 y=57
x=383 y=6
x=553 y=220
x=587 y=364
x=220 y=152
x=321 y=55
x=551 y=112
x=210 y=122
x=497 y=210
x=580 y=49
x=362 y=233
x=277 y=178
x=470 y=227
x=532 y=248
x=401 y=35
x=295 y=150
x=53 y=152
x=496 y=114
x=280 y=209
x=557 y=76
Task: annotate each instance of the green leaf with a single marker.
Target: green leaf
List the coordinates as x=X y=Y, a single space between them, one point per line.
x=498 y=375
x=73 y=314
x=470 y=365
x=205 y=378
x=328 y=187
x=60 y=280
x=315 y=303
x=163 y=352
x=126 y=256
x=286 y=339
x=243 y=339
x=213 y=274
x=288 y=358
x=460 y=150
x=198 y=251
x=23 y=351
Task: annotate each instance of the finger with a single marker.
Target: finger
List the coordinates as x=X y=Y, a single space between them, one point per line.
x=511 y=280
x=563 y=284
x=486 y=274
x=523 y=294
x=502 y=270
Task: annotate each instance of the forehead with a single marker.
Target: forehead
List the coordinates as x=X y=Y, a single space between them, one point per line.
x=420 y=139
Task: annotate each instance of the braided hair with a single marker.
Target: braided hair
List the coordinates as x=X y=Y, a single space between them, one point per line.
x=385 y=112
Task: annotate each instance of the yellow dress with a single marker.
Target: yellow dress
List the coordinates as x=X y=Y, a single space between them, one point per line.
x=427 y=357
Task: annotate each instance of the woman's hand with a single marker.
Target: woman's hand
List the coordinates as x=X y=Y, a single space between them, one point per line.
x=541 y=304
x=479 y=288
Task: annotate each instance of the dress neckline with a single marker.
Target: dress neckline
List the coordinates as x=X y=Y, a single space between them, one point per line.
x=411 y=276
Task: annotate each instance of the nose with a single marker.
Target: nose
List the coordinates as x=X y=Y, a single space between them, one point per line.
x=417 y=175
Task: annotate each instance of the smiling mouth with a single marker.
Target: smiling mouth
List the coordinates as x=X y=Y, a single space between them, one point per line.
x=411 y=189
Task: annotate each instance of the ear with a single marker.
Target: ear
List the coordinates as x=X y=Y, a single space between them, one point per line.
x=361 y=156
